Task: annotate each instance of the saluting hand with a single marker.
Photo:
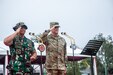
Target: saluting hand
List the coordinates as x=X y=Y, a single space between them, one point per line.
x=18 y=30
x=52 y=28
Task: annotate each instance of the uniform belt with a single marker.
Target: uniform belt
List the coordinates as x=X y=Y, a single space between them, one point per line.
x=20 y=73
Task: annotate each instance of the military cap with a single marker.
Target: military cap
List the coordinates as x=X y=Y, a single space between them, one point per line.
x=56 y=24
x=20 y=24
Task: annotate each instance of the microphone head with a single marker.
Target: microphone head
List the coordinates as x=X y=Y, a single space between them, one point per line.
x=29 y=33
x=63 y=33
x=33 y=33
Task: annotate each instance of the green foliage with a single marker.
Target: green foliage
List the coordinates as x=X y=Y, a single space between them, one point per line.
x=85 y=63
x=100 y=67
x=105 y=54
x=71 y=67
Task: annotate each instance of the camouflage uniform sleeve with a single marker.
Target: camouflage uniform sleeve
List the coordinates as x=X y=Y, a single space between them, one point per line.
x=33 y=47
x=44 y=36
x=66 y=58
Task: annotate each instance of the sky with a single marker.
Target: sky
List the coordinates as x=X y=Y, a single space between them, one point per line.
x=80 y=19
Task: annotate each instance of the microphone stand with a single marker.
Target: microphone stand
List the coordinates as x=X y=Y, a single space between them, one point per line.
x=41 y=41
x=73 y=46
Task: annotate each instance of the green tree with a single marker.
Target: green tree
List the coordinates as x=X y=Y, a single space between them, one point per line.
x=85 y=63
x=70 y=68
x=105 y=54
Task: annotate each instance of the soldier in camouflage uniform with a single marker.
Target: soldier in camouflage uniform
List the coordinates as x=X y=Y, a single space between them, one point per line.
x=22 y=51
x=55 y=50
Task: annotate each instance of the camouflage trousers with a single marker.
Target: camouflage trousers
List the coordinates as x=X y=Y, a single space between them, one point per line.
x=55 y=72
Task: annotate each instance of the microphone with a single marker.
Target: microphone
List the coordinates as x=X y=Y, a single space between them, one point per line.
x=71 y=39
x=63 y=33
x=37 y=37
x=31 y=33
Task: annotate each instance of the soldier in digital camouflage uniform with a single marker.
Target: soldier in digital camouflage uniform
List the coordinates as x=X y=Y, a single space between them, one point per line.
x=22 y=51
x=55 y=50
